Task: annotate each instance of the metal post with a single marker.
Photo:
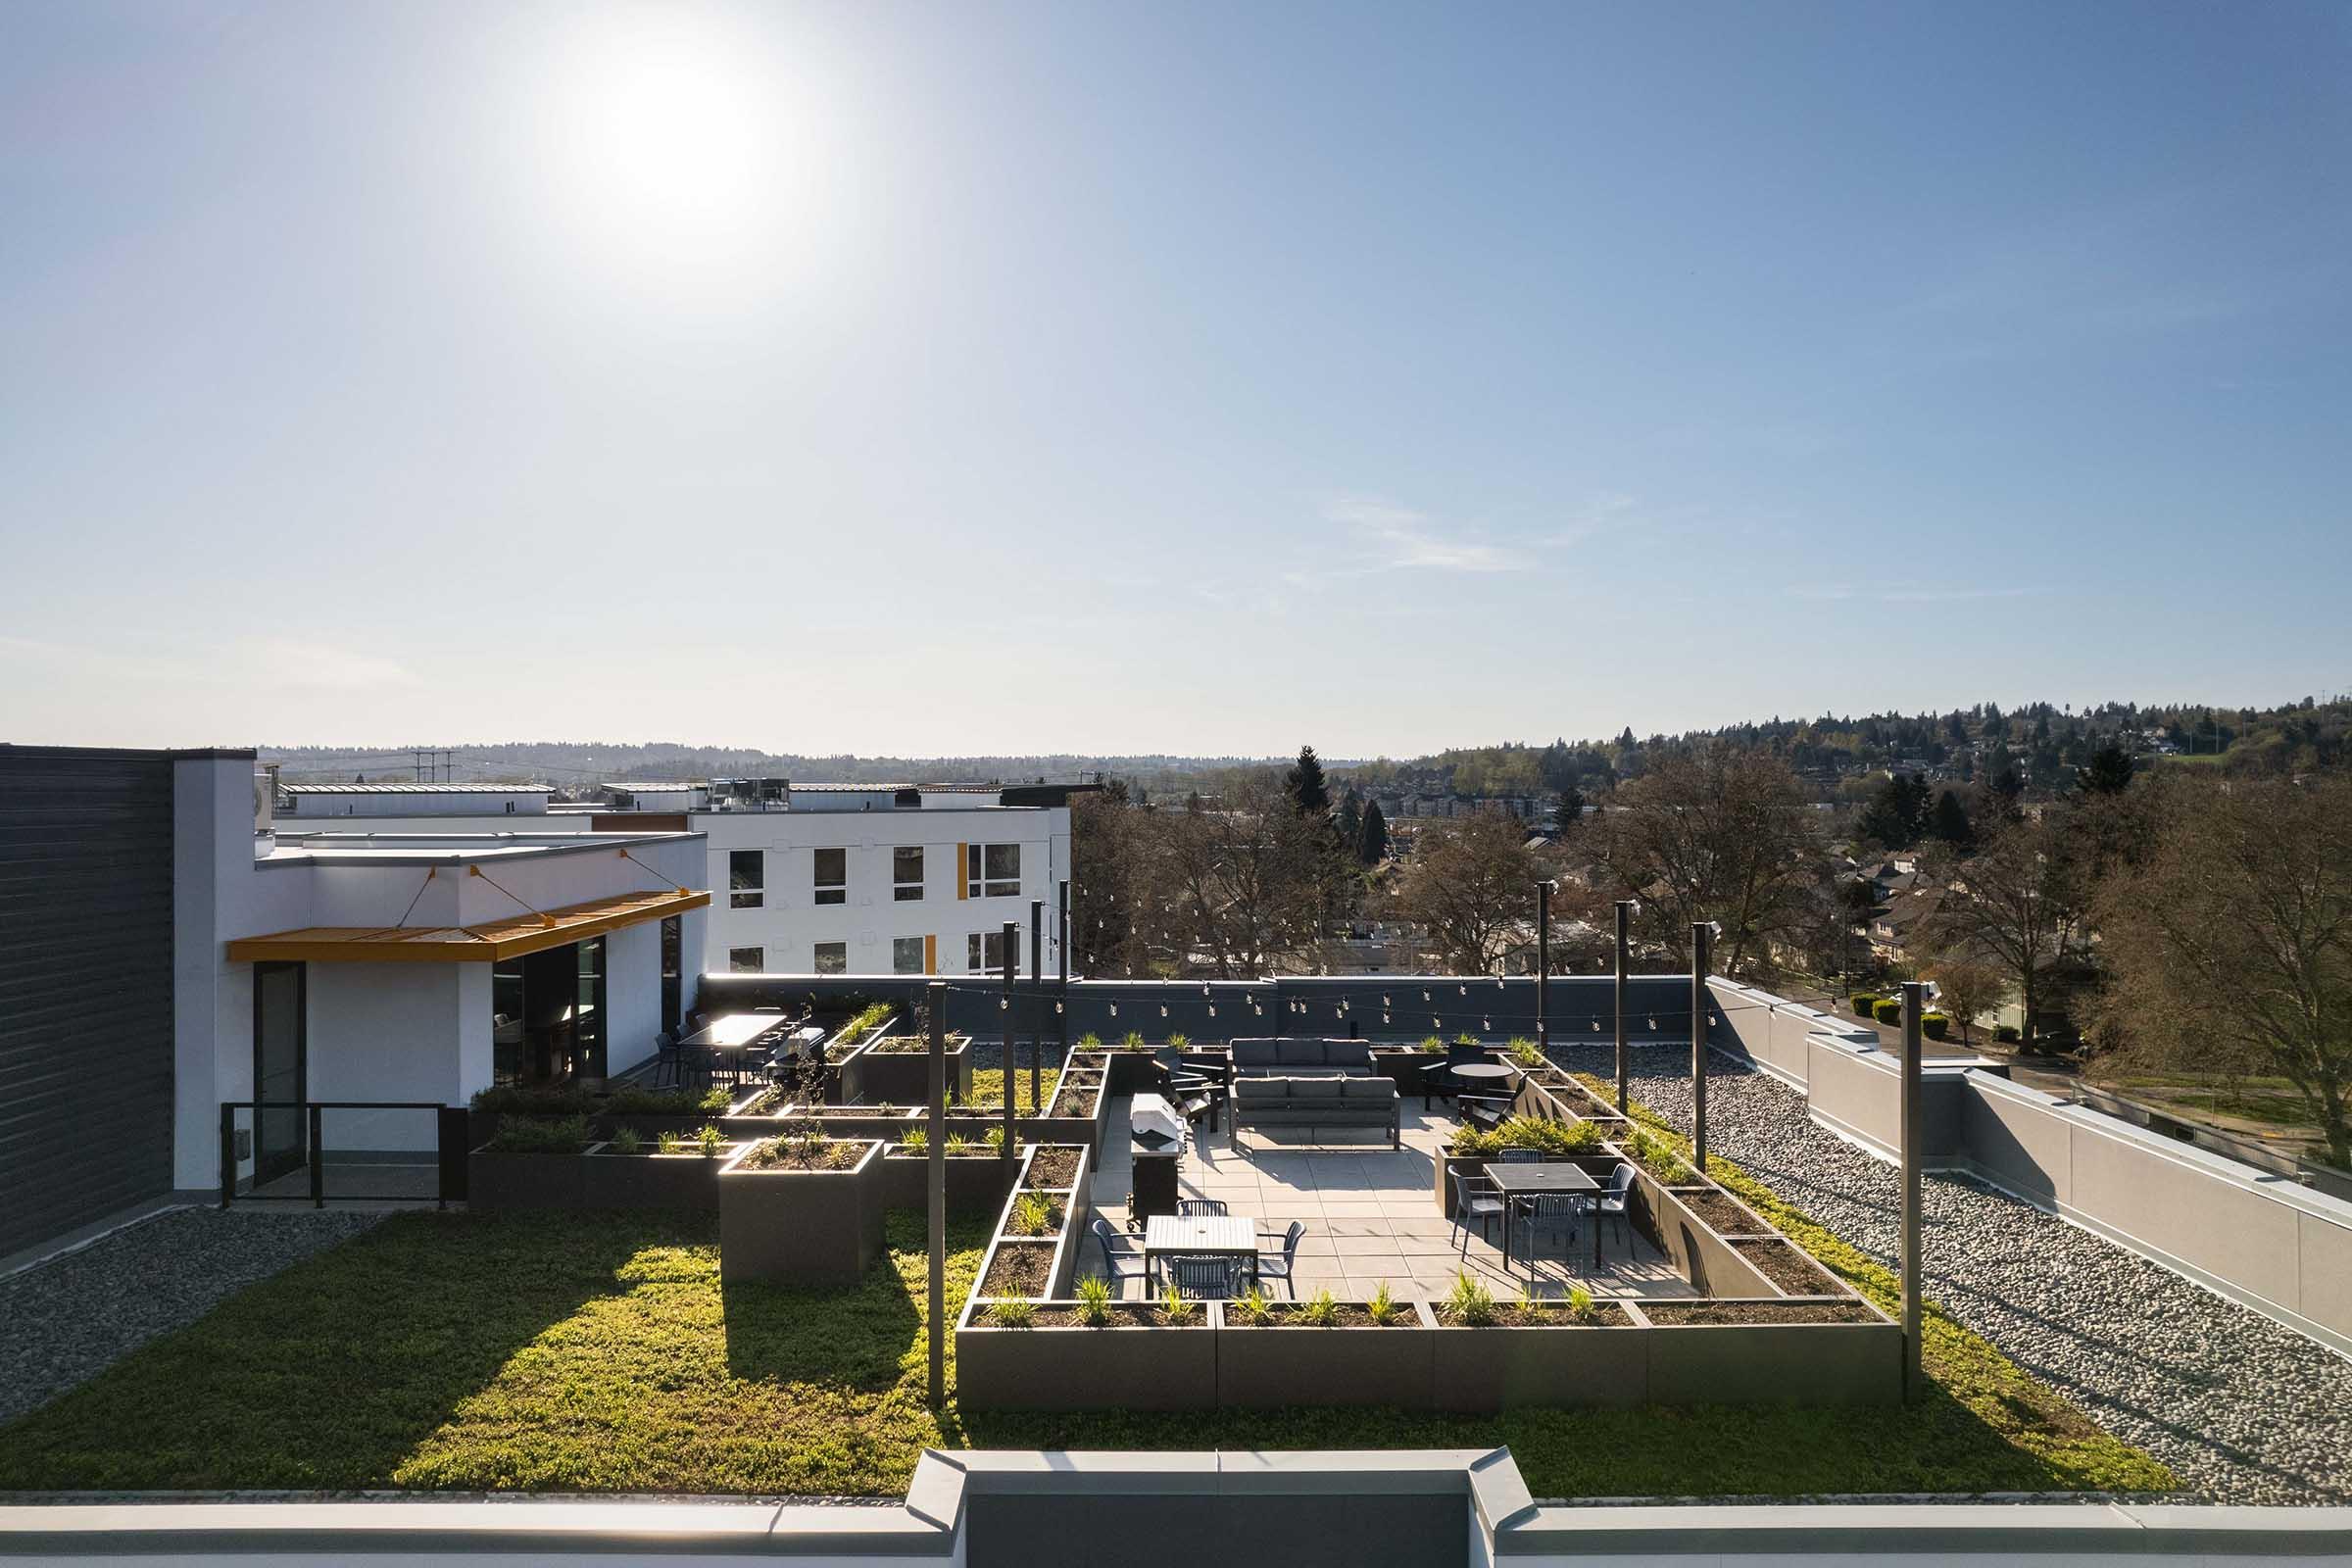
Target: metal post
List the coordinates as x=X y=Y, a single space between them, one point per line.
x=1012 y=1077
x=1914 y=1004
x=318 y=1155
x=228 y=1150
x=1037 y=994
x=1700 y=931
x=1625 y=912
x=1062 y=985
x=1542 y=966
x=937 y=1169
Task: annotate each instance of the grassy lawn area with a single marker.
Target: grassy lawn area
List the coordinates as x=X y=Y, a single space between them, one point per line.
x=600 y=1352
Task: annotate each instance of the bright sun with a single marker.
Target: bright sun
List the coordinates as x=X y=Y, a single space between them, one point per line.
x=678 y=144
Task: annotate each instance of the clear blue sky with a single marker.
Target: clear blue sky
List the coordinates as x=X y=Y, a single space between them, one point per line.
x=1188 y=378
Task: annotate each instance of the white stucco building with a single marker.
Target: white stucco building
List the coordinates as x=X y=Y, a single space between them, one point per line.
x=417 y=966
x=804 y=878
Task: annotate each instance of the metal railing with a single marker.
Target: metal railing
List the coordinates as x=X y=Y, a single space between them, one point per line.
x=448 y=1162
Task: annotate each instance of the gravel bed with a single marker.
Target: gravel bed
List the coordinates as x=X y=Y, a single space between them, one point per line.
x=2242 y=1409
x=71 y=1318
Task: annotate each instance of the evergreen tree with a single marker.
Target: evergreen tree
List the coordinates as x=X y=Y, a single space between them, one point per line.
x=2109 y=772
x=1951 y=824
x=1898 y=814
x=1372 y=839
x=1350 y=819
x=1309 y=794
x=1569 y=814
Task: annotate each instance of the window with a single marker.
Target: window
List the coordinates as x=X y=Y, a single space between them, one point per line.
x=984 y=952
x=992 y=870
x=906 y=955
x=832 y=877
x=832 y=957
x=746 y=880
x=746 y=960
x=907 y=872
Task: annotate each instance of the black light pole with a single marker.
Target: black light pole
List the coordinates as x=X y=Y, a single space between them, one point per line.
x=1700 y=933
x=1004 y=1005
x=1914 y=1004
x=1543 y=966
x=1062 y=985
x=1037 y=994
x=938 y=1173
x=1624 y=914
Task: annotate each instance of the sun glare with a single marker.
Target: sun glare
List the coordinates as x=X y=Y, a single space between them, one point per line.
x=677 y=145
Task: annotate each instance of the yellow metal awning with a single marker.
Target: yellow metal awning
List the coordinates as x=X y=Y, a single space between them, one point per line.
x=463 y=944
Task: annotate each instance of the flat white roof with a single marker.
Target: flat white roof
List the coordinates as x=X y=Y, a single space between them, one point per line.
x=418 y=788
x=443 y=849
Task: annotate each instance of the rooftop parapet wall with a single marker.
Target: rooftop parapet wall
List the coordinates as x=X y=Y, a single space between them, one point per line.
x=1582 y=1007
x=2264 y=1241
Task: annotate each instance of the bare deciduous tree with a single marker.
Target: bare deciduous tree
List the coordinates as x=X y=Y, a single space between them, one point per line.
x=1472 y=883
x=1242 y=881
x=2232 y=938
x=1718 y=835
x=2012 y=904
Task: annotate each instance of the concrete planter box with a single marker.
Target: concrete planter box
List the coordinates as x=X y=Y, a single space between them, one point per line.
x=1775 y=1364
x=903 y=1077
x=1479 y=1371
x=1698 y=1252
x=1264 y=1369
x=1128 y=1368
x=496 y=1179
x=653 y=1180
x=1401 y=1067
x=1133 y=1071
x=799 y=1226
x=976 y=1183
x=1077 y=1207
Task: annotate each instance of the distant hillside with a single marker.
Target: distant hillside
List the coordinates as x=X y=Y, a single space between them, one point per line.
x=2041 y=740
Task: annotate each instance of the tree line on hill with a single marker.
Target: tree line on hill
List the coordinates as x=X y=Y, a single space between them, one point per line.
x=2183 y=916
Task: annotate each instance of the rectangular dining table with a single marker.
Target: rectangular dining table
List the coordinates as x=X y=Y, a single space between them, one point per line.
x=1522 y=1179
x=1199 y=1236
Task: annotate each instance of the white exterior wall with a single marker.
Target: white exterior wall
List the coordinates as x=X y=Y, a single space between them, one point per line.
x=405 y=1031
x=789 y=922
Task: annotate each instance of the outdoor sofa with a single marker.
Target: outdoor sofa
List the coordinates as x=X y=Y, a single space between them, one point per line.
x=1318 y=1103
x=1289 y=1059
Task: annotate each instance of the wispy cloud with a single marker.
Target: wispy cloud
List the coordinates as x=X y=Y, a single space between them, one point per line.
x=1401 y=539
x=1908 y=594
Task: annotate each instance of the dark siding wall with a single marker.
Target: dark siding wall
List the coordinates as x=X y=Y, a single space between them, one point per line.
x=85 y=986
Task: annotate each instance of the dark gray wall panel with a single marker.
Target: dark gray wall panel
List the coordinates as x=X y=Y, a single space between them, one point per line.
x=85 y=986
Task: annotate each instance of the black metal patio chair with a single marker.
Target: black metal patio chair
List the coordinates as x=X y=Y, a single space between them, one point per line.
x=1200 y=1208
x=1475 y=1198
x=1279 y=1263
x=1120 y=1264
x=1204 y=1279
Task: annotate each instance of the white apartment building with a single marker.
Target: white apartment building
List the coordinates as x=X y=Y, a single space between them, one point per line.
x=804 y=878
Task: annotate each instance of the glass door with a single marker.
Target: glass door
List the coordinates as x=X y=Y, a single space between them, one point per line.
x=673 y=971
x=588 y=1014
x=280 y=1069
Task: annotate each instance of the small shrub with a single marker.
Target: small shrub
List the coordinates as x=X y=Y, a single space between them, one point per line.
x=1134 y=1040
x=810 y=1144
x=1090 y=1041
x=1523 y=1052
x=2006 y=1034
x=1383 y=1306
x=994 y=1140
x=1886 y=1011
x=1320 y=1310
x=1032 y=1214
x=1580 y=1304
x=1471 y=1303
x=627 y=1141
x=867 y=1019
x=1466 y=1039
x=1475 y=1143
x=1935 y=1025
x=541 y=1135
x=709 y=1140
x=1863 y=1001
x=1255 y=1310
x=1551 y=1137
x=958 y=1144
x=1180 y=1041
x=1014 y=1313
x=535 y=1101
x=1094 y=1302
x=1433 y=1046
x=916 y=1142
x=1176 y=1303
x=669 y=1143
